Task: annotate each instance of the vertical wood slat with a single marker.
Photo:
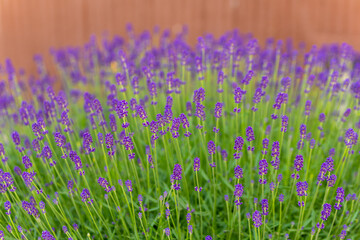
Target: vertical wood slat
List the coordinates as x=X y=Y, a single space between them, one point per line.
x=30 y=27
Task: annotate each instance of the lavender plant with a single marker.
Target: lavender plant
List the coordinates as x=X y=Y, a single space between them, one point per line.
x=151 y=138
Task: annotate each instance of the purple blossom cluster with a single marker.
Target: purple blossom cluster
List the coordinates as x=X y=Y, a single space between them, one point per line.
x=257 y=140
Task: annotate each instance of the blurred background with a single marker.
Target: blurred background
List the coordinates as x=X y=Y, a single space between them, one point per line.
x=32 y=27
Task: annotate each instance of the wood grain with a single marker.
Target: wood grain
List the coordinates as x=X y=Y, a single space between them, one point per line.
x=28 y=27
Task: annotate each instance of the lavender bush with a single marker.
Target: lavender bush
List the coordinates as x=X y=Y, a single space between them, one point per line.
x=153 y=139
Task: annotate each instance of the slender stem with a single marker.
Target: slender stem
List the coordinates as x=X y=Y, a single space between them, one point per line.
x=317 y=234
x=198 y=192
x=332 y=224
x=249 y=228
x=291 y=193
x=313 y=200
x=239 y=215
x=133 y=216
x=214 y=207
x=279 y=230
x=177 y=213
x=92 y=218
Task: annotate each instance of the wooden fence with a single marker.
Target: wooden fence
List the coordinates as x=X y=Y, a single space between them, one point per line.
x=28 y=27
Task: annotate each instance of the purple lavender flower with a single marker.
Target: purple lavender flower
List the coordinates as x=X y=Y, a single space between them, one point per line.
x=301 y=188
x=298 y=162
x=27 y=162
x=272 y=186
x=2 y=153
x=120 y=108
x=238 y=95
x=140 y=111
x=36 y=130
x=85 y=195
x=211 y=147
x=7 y=206
x=127 y=142
x=257 y=219
x=100 y=138
x=175 y=127
x=340 y=194
x=330 y=164
x=42 y=206
x=312 y=143
x=342 y=234
x=275 y=150
x=265 y=207
x=59 y=139
x=47 y=235
x=302 y=131
x=346 y=114
x=87 y=141
x=331 y=180
x=75 y=226
x=308 y=136
x=190 y=229
x=265 y=143
x=286 y=82
x=275 y=163
x=184 y=121
x=264 y=82
x=112 y=123
x=129 y=185
x=281 y=197
x=167 y=231
x=268 y=130
x=239 y=190
x=77 y=161
x=218 y=110
x=177 y=172
x=224 y=155
x=284 y=123
x=238 y=172
x=199 y=95
x=323 y=171
x=150 y=160
x=307 y=107
x=258 y=94
x=103 y=183
x=65 y=120
x=351 y=137
x=70 y=186
x=239 y=142
x=196 y=164
x=65 y=229
x=325 y=213
x=16 y=138
x=109 y=141
x=28 y=178
x=281 y=98
x=250 y=134
x=286 y=236
x=263 y=167
x=199 y=111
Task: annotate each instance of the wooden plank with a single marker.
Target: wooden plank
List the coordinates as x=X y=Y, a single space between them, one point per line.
x=30 y=27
